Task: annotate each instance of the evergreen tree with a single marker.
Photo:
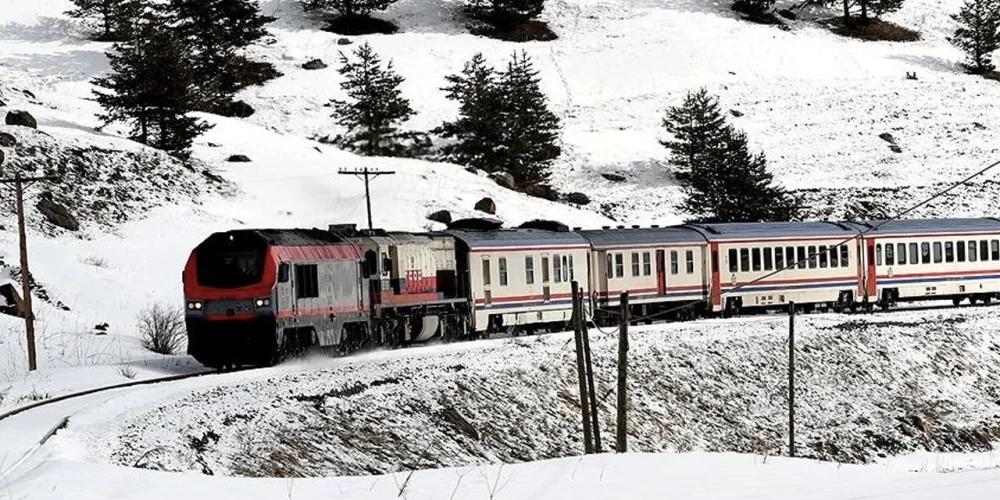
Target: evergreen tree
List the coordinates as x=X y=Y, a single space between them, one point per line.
x=152 y=88
x=476 y=131
x=726 y=183
x=866 y=8
x=978 y=33
x=376 y=104
x=505 y=12
x=753 y=6
x=115 y=17
x=696 y=128
x=350 y=8
x=530 y=129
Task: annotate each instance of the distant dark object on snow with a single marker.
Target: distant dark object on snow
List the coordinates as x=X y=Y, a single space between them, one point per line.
x=613 y=177
x=788 y=14
x=238 y=158
x=911 y=76
x=887 y=137
x=442 y=216
x=504 y=179
x=356 y=25
x=344 y=41
x=543 y=191
x=101 y=329
x=29 y=94
x=11 y=300
x=235 y=109
x=21 y=118
x=314 y=64
x=577 y=198
x=2 y=157
x=736 y=113
x=2 y=103
x=212 y=177
x=486 y=205
x=56 y=214
x=7 y=140
x=896 y=149
x=545 y=225
x=978 y=125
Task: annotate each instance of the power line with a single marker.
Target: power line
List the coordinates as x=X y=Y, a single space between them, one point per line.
x=365 y=174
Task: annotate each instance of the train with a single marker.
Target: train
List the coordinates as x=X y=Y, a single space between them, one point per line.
x=257 y=296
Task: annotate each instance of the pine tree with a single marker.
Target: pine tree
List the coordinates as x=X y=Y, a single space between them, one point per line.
x=115 y=17
x=152 y=88
x=753 y=6
x=726 y=183
x=978 y=33
x=376 y=104
x=867 y=8
x=505 y=12
x=476 y=132
x=696 y=127
x=530 y=129
x=349 y=8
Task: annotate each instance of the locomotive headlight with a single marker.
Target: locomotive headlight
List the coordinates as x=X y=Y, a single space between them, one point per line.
x=194 y=306
x=262 y=302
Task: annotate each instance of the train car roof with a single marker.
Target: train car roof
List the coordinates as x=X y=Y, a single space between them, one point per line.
x=774 y=230
x=626 y=237
x=297 y=237
x=927 y=226
x=518 y=238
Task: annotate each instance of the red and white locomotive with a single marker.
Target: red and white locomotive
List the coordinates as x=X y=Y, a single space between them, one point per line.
x=253 y=296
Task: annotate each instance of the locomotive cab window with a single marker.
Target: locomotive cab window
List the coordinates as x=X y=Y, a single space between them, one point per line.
x=386 y=264
x=283 y=272
x=306 y=281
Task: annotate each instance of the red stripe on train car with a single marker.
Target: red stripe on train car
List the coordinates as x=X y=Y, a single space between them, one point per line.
x=320 y=311
x=525 y=298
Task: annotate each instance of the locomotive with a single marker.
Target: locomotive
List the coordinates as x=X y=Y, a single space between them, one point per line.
x=254 y=296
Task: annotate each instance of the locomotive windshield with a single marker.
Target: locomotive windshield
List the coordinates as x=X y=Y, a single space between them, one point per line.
x=231 y=260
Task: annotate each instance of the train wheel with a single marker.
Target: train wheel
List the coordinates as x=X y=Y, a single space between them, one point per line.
x=956 y=301
x=987 y=299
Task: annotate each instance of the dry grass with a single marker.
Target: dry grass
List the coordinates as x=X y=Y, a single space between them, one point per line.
x=874 y=30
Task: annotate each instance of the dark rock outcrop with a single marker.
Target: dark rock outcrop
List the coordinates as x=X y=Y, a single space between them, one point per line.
x=21 y=119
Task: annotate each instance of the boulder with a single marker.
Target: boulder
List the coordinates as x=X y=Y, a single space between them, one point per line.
x=486 y=205
x=504 y=179
x=21 y=119
x=57 y=214
x=543 y=191
x=736 y=113
x=314 y=64
x=343 y=41
x=887 y=137
x=613 y=177
x=896 y=149
x=442 y=216
x=7 y=140
x=577 y=198
x=101 y=329
x=238 y=158
x=235 y=109
x=788 y=14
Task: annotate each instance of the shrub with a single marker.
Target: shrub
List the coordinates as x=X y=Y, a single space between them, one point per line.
x=161 y=329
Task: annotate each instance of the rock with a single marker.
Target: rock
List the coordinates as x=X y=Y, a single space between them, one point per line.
x=736 y=113
x=577 y=198
x=978 y=125
x=343 y=41
x=212 y=177
x=543 y=191
x=101 y=329
x=28 y=94
x=22 y=119
x=57 y=214
x=896 y=149
x=504 y=179
x=214 y=144
x=7 y=140
x=486 y=205
x=442 y=216
x=887 y=137
x=238 y=158
x=314 y=64
x=613 y=177
x=2 y=103
x=2 y=157
x=788 y=14
x=235 y=109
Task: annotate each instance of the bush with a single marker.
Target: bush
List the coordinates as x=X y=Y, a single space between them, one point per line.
x=875 y=30
x=161 y=329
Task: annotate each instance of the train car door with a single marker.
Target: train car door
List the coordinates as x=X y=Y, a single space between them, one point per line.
x=871 y=290
x=661 y=272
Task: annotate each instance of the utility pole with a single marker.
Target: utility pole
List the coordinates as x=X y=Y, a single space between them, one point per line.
x=364 y=174
x=29 y=315
x=791 y=379
x=581 y=370
x=622 y=442
x=590 y=375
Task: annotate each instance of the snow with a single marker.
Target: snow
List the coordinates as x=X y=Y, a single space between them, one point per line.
x=814 y=102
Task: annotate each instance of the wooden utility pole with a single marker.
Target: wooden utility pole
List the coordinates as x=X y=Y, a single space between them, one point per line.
x=621 y=443
x=364 y=174
x=29 y=315
x=581 y=370
x=590 y=376
x=791 y=379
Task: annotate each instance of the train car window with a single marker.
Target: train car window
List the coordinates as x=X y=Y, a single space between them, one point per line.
x=925 y=253
x=972 y=251
x=995 y=246
x=878 y=254
x=768 y=259
x=557 y=268
x=789 y=256
x=486 y=272
x=386 y=264
x=845 y=256
x=502 y=268
x=914 y=254
x=572 y=275
x=823 y=257
x=756 y=259
x=529 y=270
x=733 y=261
x=984 y=250
x=890 y=254
x=611 y=266
x=619 y=265
x=802 y=257
x=545 y=268
x=834 y=257
x=779 y=258
x=283 y=272
x=635 y=264
x=306 y=281
x=744 y=260
x=960 y=251
x=937 y=252
x=949 y=251
x=674 y=266
x=565 y=269
x=690 y=261
x=647 y=264
x=812 y=257
x=901 y=253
